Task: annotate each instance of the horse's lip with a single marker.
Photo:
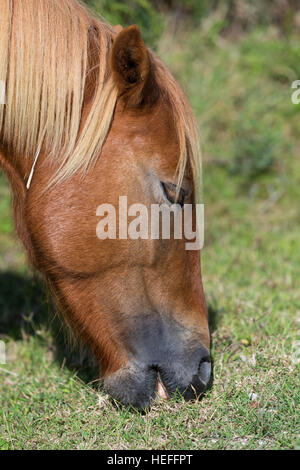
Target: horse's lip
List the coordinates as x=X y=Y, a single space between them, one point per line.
x=161 y=390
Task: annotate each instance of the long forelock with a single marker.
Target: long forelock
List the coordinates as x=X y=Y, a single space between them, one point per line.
x=185 y=126
x=46 y=67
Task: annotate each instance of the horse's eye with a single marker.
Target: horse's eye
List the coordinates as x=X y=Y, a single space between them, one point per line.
x=170 y=191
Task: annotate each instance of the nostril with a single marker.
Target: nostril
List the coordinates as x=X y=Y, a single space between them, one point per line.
x=204 y=370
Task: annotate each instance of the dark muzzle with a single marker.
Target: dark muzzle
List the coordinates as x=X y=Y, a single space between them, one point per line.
x=161 y=351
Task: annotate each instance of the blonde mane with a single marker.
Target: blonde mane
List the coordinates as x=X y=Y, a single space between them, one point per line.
x=45 y=63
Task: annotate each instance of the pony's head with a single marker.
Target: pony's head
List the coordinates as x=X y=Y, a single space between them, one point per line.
x=137 y=301
x=157 y=291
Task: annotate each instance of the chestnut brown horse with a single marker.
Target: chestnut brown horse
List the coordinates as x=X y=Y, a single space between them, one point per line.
x=91 y=114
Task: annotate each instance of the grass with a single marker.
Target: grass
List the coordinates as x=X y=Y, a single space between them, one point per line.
x=251 y=270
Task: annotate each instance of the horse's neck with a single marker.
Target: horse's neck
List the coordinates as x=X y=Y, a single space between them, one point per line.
x=16 y=174
x=17 y=169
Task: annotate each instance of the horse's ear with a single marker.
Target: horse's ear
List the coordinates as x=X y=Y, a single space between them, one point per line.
x=117 y=29
x=133 y=69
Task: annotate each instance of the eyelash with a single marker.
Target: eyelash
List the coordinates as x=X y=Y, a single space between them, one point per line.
x=171 y=188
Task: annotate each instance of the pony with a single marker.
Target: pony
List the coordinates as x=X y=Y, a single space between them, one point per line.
x=90 y=114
